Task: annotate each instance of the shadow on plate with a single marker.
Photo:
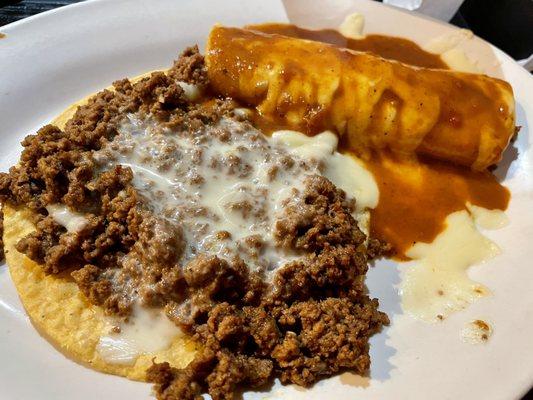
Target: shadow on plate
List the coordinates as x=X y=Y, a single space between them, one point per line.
x=383 y=279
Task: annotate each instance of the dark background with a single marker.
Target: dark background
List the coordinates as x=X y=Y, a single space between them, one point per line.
x=508 y=24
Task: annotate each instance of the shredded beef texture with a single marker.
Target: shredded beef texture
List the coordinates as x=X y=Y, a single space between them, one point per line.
x=311 y=320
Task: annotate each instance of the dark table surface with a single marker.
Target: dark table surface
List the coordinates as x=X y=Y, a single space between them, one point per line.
x=506 y=23
x=11 y=10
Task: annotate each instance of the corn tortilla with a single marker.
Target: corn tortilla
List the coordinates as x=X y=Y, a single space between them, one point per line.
x=61 y=313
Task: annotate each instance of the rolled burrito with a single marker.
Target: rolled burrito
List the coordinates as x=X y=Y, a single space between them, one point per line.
x=373 y=104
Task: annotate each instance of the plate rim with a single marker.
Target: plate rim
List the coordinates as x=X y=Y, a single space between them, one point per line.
x=23 y=23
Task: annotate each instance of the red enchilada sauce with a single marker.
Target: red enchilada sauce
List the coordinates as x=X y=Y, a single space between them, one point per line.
x=416 y=195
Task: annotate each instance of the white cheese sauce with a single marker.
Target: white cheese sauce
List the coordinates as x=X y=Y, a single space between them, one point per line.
x=146 y=331
x=448 y=47
x=487 y=219
x=71 y=220
x=230 y=178
x=353 y=26
x=346 y=172
x=191 y=92
x=436 y=282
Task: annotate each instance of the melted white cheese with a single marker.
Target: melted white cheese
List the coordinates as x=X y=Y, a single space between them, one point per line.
x=191 y=92
x=166 y=165
x=147 y=331
x=242 y=112
x=436 y=283
x=488 y=219
x=447 y=46
x=352 y=26
x=71 y=220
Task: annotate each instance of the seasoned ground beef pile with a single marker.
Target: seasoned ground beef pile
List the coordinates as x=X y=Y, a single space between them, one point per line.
x=309 y=319
x=313 y=321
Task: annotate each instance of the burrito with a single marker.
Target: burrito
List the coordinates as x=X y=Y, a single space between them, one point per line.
x=373 y=104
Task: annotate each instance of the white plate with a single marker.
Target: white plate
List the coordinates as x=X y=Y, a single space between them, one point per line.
x=50 y=60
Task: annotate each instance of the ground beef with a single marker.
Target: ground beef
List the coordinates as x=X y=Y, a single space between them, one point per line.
x=193 y=71
x=107 y=233
x=311 y=320
x=320 y=217
x=210 y=280
x=103 y=290
x=325 y=337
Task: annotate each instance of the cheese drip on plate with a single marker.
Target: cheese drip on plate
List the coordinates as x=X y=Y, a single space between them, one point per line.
x=436 y=283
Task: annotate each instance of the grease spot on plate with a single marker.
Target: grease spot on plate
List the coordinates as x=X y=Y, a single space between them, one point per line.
x=476 y=332
x=354 y=380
